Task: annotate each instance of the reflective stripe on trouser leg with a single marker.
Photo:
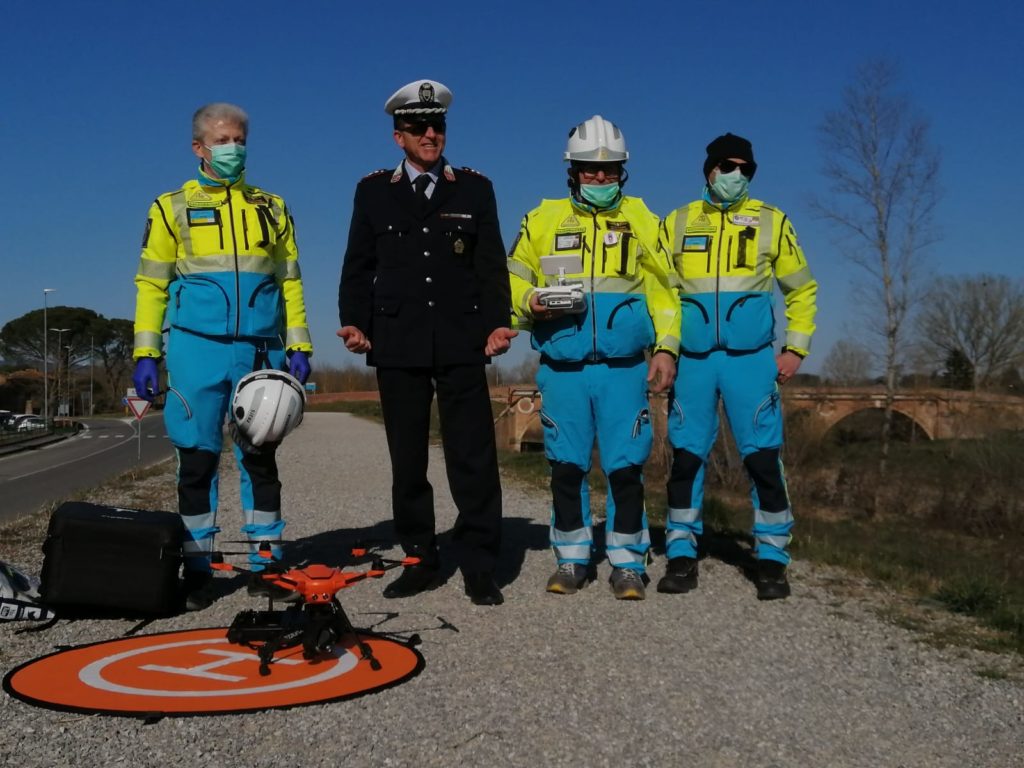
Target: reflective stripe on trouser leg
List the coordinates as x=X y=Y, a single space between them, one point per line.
x=685 y=499
x=571 y=535
x=198 y=543
x=772 y=534
x=627 y=539
x=262 y=526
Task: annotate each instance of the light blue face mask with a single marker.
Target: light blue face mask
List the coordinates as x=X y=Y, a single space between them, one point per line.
x=730 y=187
x=600 y=195
x=227 y=160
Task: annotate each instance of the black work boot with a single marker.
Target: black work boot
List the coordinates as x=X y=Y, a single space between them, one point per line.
x=771 y=580
x=680 y=576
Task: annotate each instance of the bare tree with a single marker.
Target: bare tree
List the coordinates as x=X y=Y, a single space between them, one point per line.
x=883 y=176
x=979 y=316
x=847 y=364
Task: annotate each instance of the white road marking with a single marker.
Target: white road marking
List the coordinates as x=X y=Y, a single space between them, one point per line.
x=71 y=461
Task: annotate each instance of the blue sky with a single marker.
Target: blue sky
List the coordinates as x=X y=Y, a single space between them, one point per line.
x=98 y=96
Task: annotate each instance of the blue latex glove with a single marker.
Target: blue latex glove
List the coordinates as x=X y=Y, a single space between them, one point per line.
x=146 y=378
x=298 y=365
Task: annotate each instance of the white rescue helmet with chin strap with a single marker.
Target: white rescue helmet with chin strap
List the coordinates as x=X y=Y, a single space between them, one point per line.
x=267 y=406
x=596 y=141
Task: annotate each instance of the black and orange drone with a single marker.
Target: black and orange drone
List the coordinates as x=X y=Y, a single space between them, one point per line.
x=317 y=621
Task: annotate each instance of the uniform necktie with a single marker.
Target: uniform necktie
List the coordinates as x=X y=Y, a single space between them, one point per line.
x=421 y=184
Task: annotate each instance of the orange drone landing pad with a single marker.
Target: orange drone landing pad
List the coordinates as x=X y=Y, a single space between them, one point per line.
x=198 y=672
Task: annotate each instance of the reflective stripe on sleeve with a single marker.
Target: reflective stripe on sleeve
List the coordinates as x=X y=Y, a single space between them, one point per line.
x=795 y=280
x=519 y=269
x=286 y=270
x=297 y=336
x=156 y=270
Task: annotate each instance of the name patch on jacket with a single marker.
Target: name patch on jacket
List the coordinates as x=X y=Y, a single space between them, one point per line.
x=568 y=241
x=200 y=199
x=746 y=221
x=695 y=242
x=199 y=217
x=619 y=226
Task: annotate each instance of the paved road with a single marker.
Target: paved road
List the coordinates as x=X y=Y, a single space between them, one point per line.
x=34 y=478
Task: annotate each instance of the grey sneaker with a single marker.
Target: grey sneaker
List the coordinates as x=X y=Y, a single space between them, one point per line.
x=568 y=579
x=627 y=584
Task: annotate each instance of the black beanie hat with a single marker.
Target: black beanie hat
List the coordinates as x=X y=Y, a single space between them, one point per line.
x=726 y=146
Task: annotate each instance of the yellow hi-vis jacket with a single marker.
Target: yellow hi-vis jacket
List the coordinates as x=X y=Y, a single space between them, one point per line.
x=219 y=260
x=631 y=305
x=725 y=260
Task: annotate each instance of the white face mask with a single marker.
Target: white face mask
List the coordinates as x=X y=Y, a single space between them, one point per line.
x=730 y=187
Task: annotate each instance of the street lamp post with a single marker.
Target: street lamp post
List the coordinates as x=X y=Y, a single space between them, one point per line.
x=46 y=364
x=92 y=365
x=70 y=401
x=59 y=331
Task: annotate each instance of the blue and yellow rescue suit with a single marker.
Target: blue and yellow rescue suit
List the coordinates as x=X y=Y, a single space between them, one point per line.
x=726 y=258
x=219 y=265
x=593 y=375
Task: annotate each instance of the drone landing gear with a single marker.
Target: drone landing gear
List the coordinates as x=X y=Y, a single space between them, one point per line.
x=318 y=628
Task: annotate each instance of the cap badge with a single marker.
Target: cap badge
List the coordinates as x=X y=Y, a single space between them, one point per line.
x=426 y=92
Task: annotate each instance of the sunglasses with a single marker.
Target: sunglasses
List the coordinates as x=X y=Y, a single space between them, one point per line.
x=420 y=128
x=728 y=166
x=590 y=172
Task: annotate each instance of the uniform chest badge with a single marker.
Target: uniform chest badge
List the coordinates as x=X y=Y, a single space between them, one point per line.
x=570 y=222
x=619 y=226
x=611 y=238
x=701 y=224
x=459 y=246
x=201 y=199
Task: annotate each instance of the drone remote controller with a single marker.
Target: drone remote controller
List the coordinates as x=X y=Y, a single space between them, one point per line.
x=564 y=295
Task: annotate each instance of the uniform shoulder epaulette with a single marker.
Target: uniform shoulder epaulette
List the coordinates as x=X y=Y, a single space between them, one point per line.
x=474 y=171
x=375 y=173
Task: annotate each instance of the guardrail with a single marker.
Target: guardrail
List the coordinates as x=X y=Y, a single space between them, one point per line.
x=58 y=428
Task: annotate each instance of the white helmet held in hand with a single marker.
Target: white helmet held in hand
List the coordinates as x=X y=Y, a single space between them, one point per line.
x=596 y=141
x=267 y=406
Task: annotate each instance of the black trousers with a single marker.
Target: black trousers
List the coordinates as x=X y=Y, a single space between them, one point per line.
x=471 y=460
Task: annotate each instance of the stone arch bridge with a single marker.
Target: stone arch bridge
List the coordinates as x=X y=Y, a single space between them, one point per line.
x=938 y=413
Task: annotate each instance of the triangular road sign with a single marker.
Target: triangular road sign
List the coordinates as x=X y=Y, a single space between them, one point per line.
x=139 y=406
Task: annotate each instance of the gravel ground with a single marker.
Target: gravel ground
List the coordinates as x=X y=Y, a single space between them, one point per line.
x=713 y=678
